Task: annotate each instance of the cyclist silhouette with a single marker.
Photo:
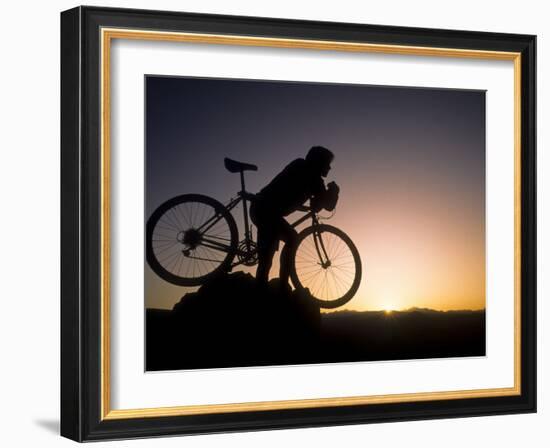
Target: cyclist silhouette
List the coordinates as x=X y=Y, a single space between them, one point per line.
x=300 y=180
x=192 y=238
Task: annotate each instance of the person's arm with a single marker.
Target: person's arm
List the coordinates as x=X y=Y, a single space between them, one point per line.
x=325 y=197
x=317 y=200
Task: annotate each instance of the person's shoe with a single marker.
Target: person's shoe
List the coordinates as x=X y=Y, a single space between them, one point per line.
x=284 y=288
x=279 y=287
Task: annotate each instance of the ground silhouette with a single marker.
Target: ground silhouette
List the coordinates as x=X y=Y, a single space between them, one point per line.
x=232 y=321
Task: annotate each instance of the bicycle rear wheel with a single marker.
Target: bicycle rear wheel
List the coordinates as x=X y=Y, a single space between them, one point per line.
x=326 y=262
x=189 y=239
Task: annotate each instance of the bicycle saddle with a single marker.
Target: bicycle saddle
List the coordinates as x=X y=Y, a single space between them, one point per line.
x=235 y=167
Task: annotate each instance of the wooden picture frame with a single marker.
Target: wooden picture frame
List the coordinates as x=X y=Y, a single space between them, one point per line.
x=86 y=36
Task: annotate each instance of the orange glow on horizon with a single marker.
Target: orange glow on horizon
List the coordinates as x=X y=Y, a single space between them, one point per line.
x=415 y=252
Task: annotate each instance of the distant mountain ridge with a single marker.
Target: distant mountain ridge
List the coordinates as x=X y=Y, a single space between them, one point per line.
x=413 y=309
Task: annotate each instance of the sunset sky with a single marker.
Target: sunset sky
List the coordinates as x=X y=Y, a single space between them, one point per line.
x=410 y=163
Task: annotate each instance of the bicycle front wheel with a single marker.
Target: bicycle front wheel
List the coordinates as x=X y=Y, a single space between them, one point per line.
x=189 y=239
x=326 y=262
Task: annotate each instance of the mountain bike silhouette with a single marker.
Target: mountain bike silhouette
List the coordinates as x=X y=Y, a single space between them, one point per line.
x=192 y=238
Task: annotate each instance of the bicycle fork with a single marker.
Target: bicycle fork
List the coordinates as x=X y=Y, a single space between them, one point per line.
x=321 y=251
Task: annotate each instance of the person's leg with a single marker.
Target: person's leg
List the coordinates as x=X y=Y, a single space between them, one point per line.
x=266 y=251
x=267 y=244
x=289 y=236
x=262 y=241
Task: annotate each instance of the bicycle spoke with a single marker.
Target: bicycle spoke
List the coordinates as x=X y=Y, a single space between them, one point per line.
x=183 y=212
x=168 y=224
x=181 y=215
x=168 y=259
x=172 y=219
x=175 y=263
x=337 y=282
x=181 y=262
x=164 y=249
x=344 y=271
x=313 y=282
x=210 y=260
x=175 y=219
x=310 y=275
x=304 y=272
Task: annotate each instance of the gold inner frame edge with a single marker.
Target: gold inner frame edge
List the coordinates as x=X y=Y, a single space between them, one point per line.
x=107 y=34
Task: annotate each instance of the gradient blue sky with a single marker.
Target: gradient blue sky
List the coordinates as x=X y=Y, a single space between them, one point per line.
x=410 y=163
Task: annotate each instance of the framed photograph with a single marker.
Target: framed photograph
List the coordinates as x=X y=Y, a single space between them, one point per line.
x=273 y=223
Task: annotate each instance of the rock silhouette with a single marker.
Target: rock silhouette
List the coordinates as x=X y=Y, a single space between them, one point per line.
x=233 y=322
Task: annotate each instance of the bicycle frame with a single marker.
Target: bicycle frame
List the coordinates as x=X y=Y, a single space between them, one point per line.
x=245 y=197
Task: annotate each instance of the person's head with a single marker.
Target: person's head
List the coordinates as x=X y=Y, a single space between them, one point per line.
x=320 y=159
